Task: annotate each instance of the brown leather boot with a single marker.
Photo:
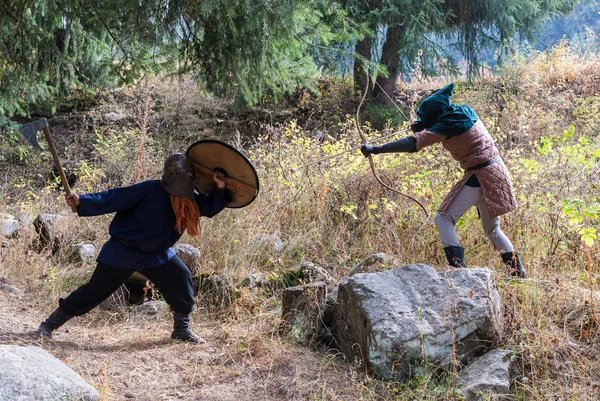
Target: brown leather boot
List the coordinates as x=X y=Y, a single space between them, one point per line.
x=182 y=331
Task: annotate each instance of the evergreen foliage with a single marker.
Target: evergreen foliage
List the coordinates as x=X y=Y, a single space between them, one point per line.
x=261 y=46
x=49 y=48
x=417 y=27
x=494 y=23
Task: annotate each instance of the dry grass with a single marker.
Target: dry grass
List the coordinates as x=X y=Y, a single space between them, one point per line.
x=333 y=215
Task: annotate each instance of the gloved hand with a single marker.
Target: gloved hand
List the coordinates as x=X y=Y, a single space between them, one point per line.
x=367 y=149
x=417 y=126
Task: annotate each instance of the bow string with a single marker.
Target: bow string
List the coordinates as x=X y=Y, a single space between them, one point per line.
x=365 y=141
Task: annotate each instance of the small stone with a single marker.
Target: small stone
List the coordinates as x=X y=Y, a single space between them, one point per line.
x=254 y=280
x=268 y=241
x=84 y=253
x=113 y=117
x=312 y=272
x=149 y=310
x=11 y=289
x=9 y=226
x=285 y=390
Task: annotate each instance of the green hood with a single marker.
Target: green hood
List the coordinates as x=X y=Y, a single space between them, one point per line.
x=444 y=118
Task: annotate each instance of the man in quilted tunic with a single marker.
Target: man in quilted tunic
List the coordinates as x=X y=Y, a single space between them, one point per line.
x=485 y=184
x=150 y=218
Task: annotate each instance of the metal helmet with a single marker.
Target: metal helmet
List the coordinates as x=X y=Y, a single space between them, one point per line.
x=178 y=176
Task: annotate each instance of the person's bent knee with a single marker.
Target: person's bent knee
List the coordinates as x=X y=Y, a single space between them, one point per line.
x=491 y=227
x=441 y=219
x=176 y=264
x=494 y=233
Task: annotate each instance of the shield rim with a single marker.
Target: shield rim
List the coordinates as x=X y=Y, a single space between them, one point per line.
x=240 y=154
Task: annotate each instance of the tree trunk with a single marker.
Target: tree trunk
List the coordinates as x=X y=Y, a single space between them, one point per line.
x=361 y=80
x=384 y=91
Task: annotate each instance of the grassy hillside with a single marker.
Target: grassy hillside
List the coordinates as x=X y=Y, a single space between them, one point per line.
x=544 y=114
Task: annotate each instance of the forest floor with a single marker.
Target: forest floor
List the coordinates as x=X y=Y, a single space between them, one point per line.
x=334 y=216
x=244 y=358
x=138 y=361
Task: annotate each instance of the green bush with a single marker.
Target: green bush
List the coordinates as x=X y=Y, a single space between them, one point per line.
x=382 y=116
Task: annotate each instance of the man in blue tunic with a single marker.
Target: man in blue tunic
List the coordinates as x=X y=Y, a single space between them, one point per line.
x=150 y=218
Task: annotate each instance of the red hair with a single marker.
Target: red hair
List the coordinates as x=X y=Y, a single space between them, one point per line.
x=187 y=215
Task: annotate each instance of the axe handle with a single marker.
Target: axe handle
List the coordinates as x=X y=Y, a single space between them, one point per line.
x=61 y=172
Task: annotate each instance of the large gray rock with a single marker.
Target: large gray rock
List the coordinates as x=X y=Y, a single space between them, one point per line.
x=300 y=310
x=189 y=255
x=49 y=227
x=214 y=289
x=490 y=377
x=398 y=320
x=32 y=374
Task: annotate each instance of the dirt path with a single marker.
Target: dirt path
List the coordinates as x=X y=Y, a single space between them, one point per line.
x=128 y=361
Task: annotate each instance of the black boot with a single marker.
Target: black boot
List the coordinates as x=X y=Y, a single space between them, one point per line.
x=455 y=255
x=54 y=321
x=513 y=264
x=181 y=329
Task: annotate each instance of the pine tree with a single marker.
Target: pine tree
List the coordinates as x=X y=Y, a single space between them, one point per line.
x=50 y=47
x=416 y=29
x=46 y=53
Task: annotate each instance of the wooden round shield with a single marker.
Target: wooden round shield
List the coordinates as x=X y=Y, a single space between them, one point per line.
x=208 y=156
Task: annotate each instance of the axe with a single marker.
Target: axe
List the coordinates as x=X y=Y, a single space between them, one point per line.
x=29 y=132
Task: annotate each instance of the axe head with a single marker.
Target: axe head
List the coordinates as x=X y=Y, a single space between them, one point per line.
x=29 y=131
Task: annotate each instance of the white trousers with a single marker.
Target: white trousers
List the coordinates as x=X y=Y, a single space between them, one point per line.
x=464 y=200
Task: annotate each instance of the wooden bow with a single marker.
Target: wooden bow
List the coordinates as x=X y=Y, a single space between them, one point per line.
x=363 y=137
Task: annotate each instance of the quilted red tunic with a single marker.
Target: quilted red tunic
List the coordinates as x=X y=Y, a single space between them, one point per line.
x=471 y=148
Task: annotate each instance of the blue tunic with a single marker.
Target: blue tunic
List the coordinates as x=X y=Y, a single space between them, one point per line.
x=145 y=220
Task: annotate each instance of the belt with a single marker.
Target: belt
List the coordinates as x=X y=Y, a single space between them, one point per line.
x=493 y=160
x=123 y=241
